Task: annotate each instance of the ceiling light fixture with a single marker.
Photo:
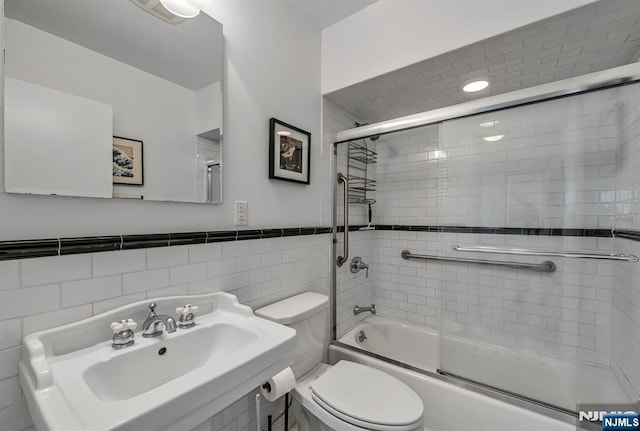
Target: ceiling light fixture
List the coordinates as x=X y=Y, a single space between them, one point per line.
x=474 y=86
x=493 y=138
x=181 y=8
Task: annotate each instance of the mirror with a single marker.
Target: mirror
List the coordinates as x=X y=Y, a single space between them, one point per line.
x=117 y=99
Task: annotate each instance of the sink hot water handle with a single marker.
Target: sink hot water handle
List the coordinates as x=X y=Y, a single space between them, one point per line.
x=123 y=333
x=186 y=316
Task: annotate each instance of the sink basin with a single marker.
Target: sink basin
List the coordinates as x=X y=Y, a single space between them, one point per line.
x=126 y=376
x=74 y=380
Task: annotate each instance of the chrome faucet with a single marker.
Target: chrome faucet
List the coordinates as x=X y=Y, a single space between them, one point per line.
x=357 y=309
x=154 y=323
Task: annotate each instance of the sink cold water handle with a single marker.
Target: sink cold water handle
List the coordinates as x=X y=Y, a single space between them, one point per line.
x=186 y=318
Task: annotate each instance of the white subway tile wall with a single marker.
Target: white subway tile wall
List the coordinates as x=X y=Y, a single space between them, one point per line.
x=407 y=177
x=46 y=292
x=626 y=294
x=404 y=290
x=354 y=288
x=563 y=314
x=547 y=165
x=550 y=165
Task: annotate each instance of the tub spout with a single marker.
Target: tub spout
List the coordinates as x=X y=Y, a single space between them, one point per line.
x=357 y=309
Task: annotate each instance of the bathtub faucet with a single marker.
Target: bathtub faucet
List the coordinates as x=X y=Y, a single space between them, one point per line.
x=357 y=309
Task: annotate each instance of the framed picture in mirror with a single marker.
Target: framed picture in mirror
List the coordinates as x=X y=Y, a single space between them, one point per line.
x=127 y=161
x=289 y=152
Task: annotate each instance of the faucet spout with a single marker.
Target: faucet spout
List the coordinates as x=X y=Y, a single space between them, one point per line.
x=357 y=309
x=155 y=324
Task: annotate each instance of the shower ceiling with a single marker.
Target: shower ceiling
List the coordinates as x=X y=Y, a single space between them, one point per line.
x=595 y=37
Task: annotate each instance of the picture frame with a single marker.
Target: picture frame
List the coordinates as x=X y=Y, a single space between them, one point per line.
x=128 y=161
x=289 y=153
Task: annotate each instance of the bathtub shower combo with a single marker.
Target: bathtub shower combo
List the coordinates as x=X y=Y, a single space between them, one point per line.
x=501 y=252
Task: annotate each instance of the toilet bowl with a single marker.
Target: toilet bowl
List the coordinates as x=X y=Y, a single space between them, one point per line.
x=344 y=397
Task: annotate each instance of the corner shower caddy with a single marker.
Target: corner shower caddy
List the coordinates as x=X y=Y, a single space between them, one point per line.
x=360 y=184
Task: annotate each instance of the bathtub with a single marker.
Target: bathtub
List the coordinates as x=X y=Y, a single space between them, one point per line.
x=557 y=381
x=410 y=344
x=448 y=407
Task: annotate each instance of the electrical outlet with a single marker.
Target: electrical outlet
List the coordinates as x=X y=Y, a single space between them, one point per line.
x=241 y=213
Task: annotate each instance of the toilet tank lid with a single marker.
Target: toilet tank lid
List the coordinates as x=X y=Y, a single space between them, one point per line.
x=295 y=308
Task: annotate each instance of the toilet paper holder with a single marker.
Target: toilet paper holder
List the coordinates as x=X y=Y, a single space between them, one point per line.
x=266 y=389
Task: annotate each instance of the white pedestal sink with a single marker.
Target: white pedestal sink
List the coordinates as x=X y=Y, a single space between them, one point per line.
x=75 y=381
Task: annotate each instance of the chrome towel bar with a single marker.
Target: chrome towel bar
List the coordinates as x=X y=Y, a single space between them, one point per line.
x=569 y=254
x=546 y=266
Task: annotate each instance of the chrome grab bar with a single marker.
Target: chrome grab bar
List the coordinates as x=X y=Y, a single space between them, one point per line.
x=546 y=266
x=570 y=254
x=343 y=179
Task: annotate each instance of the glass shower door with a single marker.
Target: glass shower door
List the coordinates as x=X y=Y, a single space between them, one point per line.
x=539 y=178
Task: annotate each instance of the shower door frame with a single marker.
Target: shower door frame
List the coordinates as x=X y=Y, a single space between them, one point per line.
x=609 y=78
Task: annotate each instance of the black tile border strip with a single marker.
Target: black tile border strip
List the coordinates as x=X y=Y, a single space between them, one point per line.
x=131 y=242
x=89 y=244
x=598 y=233
x=221 y=236
x=11 y=250
x=29 y=248
x=186 y=238
x=249 y=234
x=24 y=249
x=290 y=231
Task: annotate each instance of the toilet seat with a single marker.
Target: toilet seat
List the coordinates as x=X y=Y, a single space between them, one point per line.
x=367 y=397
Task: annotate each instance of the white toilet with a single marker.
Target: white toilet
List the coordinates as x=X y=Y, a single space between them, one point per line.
x=344 y=397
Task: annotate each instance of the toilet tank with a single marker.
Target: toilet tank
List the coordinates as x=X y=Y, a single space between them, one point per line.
x=307 y=313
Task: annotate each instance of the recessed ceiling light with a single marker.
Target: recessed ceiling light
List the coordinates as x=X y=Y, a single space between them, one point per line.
x=283 y=133
x=489 y=123
x=181 y=8
x=493 y=138
x=474 y=86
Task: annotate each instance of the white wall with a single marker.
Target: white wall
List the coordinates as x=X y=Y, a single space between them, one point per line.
x=58 y=143
x=392 y=34
x=208 y=105
x=273 y=69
